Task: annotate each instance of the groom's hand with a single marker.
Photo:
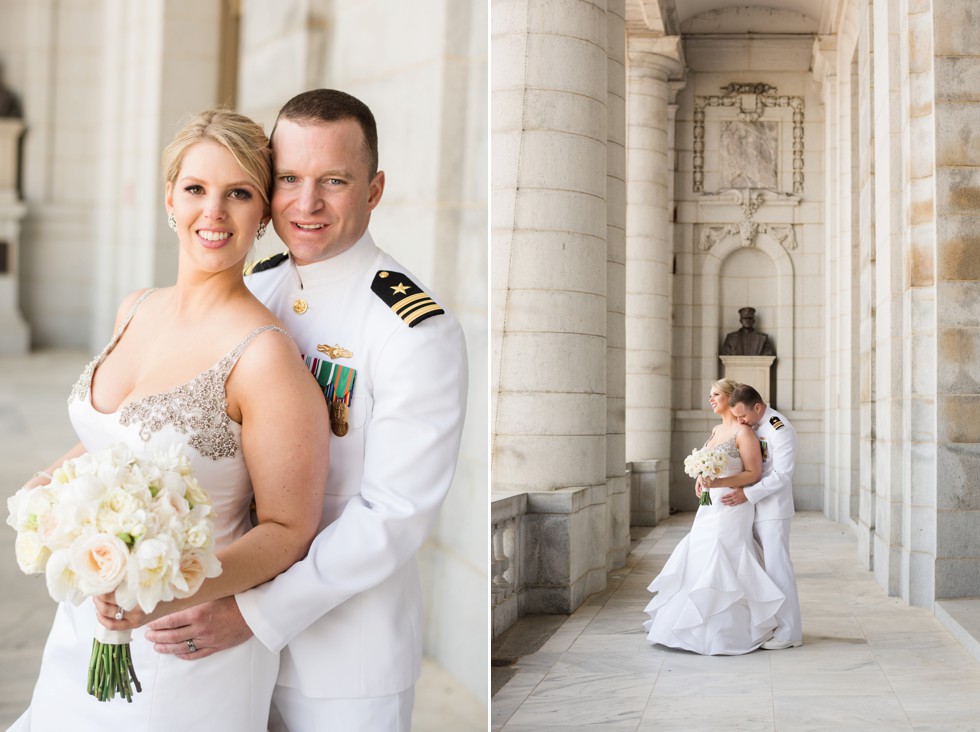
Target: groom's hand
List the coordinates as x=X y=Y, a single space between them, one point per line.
x=213 y=626
x=734 y=498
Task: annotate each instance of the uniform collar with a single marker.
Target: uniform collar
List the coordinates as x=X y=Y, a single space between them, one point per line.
x=346 y=264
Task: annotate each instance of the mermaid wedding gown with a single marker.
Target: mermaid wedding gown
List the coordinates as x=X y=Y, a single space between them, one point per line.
x=713 y=596
x=230 y=690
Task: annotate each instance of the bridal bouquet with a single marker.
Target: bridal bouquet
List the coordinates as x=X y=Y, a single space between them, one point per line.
x=114 y=521
x=705 y=462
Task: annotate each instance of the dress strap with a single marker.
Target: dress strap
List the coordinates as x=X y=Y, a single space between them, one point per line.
x=130 y=314
x=228 y=362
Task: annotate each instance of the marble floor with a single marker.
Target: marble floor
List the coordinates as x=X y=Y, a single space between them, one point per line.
x=869 y=661
x=34 y=430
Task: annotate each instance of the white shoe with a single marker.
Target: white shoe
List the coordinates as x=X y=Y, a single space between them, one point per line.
x=775 y=644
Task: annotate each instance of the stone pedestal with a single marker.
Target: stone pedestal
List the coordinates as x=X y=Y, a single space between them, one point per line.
x=752 y=370
x=14 y=334
x=649 y=492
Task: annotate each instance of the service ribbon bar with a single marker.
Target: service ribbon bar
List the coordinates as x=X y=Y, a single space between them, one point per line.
x=336 y=381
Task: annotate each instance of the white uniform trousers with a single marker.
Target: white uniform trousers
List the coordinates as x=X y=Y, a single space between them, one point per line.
x=773 y=537
x=295 y=712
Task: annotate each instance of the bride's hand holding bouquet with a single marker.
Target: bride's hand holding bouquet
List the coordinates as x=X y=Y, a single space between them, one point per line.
x=705 y=464
x=133 y=530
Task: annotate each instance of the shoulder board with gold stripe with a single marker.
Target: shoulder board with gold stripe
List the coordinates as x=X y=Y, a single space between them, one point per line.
x=268 y=263
x=404 y=297
x=776 y=423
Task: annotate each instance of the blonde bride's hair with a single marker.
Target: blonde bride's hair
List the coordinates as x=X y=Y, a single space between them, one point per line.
x=725 y=386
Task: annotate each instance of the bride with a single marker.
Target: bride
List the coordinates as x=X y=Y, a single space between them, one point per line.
x=713 y=596
x=204 y=365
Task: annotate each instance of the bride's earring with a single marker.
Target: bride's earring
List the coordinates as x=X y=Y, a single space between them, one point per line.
x=261 y=232
x=172 y=221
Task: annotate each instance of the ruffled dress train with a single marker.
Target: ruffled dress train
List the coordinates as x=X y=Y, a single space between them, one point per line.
x=713 y=596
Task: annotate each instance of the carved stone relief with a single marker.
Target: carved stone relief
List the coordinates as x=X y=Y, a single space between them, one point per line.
x=747 y=154
x=750 y=102
x=750 y=200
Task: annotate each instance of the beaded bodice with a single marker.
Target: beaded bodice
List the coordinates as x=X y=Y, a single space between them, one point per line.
x=197 y=408
x=729 y=447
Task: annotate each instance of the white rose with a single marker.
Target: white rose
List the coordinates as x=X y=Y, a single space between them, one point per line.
x=99 y=561
x=121 y=501
x=199 y=535
x=31 y=553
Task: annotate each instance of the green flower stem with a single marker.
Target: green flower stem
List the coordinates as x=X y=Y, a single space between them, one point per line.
x=111 y=672
x=705 y=497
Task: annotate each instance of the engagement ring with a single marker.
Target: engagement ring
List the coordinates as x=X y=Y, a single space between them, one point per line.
x=119 y=614
x=191 y=647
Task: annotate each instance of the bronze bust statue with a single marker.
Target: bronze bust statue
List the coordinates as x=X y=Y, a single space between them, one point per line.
x=746 y=341
x=9 y=104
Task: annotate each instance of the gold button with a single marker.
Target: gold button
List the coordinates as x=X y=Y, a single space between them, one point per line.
x=382 y=275
x=300 y=307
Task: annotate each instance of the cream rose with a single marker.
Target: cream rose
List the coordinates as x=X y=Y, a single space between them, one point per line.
x=99 y=562
x=195 y=567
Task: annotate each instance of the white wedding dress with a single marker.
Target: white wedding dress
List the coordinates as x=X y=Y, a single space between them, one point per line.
x=713 y=595
x=230 y=690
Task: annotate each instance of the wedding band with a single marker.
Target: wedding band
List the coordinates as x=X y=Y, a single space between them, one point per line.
x=119 y=614
x=191 y=647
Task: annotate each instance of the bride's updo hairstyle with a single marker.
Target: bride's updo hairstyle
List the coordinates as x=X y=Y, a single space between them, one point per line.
x=725 y=386
x=239 y=135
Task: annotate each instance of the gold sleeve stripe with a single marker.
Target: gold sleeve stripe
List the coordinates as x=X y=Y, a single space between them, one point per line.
x=406 y=301
x=423 y=311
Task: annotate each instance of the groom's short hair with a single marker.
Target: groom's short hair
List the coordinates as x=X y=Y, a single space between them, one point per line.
x=745 y=394
x=318 y=106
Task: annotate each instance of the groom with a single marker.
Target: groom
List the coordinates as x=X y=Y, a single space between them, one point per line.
x=392 y=365
x=773 y=499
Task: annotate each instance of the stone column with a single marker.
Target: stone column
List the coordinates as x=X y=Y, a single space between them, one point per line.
x=824 y=66
x=160 y=62
x=957 y=318
x=548 y=288
x=833 y=67
x=866 y=278
x=653 y=61
x=616 y=478
x=14 y=334
x=890 y=251
x=919 y=528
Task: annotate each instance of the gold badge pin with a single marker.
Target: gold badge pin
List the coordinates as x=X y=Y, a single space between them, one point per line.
x=334 y=351
x=300 y=307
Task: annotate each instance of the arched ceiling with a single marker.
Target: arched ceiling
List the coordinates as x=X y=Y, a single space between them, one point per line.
x=673 y=17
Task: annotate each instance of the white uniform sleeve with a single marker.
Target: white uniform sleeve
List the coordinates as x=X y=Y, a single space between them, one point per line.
x=782 y=446
x=411 y=446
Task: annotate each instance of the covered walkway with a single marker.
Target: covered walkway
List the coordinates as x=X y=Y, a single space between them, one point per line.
x=869 y=661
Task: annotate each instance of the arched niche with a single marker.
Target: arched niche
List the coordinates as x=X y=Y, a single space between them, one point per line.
x=728 y=256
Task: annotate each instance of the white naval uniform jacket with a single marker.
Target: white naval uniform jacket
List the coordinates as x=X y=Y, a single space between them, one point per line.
x=348 y=617
x=773 y=494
